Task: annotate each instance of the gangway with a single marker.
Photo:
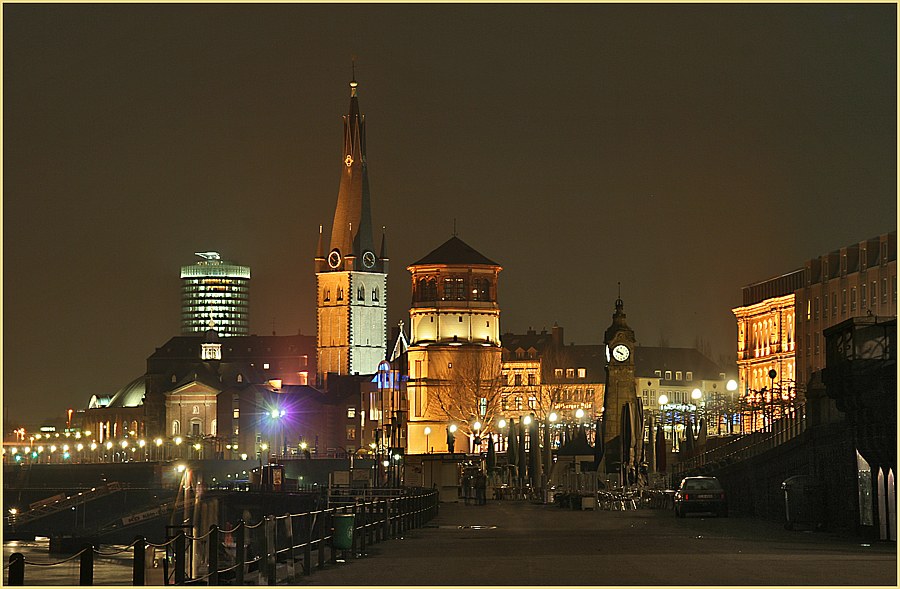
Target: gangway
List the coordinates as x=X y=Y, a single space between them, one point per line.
x=61 y=502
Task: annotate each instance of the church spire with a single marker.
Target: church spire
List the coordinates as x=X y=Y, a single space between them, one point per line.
x=351 y=233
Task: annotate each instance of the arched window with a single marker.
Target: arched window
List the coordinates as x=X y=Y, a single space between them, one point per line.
x=427 y=289
x=176 y=427
x=240 y=378
x=375 y=294
x=327 y=295
x=213 y=428
x=361 y=293
x=340 y=294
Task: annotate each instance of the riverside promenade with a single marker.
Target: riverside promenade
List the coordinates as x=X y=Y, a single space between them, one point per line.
x=519 y=543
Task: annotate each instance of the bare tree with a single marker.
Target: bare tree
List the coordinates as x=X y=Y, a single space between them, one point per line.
x=468 y=389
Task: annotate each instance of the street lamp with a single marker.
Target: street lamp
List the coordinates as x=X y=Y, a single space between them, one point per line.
x=664 y=402
x=501 y=425
x=427 y=433
x=476 y=438
x=451 y=437
x=696 y=396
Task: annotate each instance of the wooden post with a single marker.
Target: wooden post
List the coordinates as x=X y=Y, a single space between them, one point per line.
x=16 y=569
x=240 y=551
x=289 y=520
x=139 y=567
x=179 y=558
x=86 y=572
x=212 y=555
x=307 y=548
x=269 y=552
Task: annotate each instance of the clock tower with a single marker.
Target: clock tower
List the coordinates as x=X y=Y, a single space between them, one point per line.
x=351 y=279
x=620 y=385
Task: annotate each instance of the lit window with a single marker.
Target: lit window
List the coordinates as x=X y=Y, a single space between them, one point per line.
x=657 y=373
x=582 y=372
x=361 y=293
x=668 y=375
x=570 y=373
x=517 y=380
x=558 y=372
x=327 y=295
x=532 y=379
x=351 y=432
x=677 y=375
x=853 y=299
x=874 y=293
x=351 y=412
x=689 y=376
x=374 y=294
x=340 y=294
x=265 y=366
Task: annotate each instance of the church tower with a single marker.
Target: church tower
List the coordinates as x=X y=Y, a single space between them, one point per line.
x=620 y=385
x=351 y=279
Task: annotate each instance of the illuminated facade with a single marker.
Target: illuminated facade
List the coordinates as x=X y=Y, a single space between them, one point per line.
x=855 y=281
x=781 y=323
x=454 y=355
x=351 y=280
x=215 y=290
x=765 y=326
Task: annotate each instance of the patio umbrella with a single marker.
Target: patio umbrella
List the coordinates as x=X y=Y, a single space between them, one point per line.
x=491 y=455
x=598 y=442
x=688 y=437
x=548 y=450
x=523 y=459
x=626 y=435
x=512 y=453
x=534 y=464
x=650 y=446
x=701 y=433
x=660 y=449
x=638 y=433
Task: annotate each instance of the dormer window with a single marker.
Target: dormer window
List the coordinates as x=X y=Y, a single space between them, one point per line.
x=209 y=352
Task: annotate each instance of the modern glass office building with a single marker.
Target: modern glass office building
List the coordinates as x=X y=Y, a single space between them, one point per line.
x=215 y=290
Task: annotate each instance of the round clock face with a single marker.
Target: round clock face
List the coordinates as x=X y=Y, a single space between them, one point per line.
x=368 y=259
x=334 y=258
x=621 y=353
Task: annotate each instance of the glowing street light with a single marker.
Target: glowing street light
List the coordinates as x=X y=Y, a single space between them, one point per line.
x=427 y=433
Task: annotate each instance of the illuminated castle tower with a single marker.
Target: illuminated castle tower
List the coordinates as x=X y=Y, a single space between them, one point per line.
x=351 y=280
x=454 y=347
x=215 y=290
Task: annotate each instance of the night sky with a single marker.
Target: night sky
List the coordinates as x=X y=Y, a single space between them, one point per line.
x=682 y=150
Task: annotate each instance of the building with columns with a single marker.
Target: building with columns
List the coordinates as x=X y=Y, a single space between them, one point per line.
x=781 y=323
x=454 y=353
x=351 y=279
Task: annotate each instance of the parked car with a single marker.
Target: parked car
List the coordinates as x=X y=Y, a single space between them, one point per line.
x=700 y=495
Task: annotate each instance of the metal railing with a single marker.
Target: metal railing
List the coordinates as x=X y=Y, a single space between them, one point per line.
x=275 y=549
x=747 y=446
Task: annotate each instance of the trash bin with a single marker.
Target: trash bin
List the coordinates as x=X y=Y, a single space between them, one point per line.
x=343 y=531
x=803 y=501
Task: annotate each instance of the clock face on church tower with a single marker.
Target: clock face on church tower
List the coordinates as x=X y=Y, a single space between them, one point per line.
x=621 y=353
x=334 y=258
x=368 y=259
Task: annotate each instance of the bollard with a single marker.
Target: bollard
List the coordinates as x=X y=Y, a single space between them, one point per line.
x=139 y=567
x=240 y=551
x=332 y=553
x=179 y=558
x=86 y=572
x=212 y=555
x=16 y=569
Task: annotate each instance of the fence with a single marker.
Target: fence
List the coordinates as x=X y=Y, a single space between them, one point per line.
x=275 y=549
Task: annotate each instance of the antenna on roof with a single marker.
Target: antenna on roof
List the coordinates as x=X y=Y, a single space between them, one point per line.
x=454 y=226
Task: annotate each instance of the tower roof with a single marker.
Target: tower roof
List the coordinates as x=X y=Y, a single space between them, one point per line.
x=351 y=232
x=455 y=252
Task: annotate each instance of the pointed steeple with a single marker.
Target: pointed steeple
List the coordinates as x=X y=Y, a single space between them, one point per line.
x=351 y=232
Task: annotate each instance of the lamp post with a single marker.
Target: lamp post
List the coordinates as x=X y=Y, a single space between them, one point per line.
x=663 y=403
x=427 y=433
x=501 y=425
x=696 y=397
x=451 y=437
x=278 y=416
x=476 y=437
x=730 y=386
